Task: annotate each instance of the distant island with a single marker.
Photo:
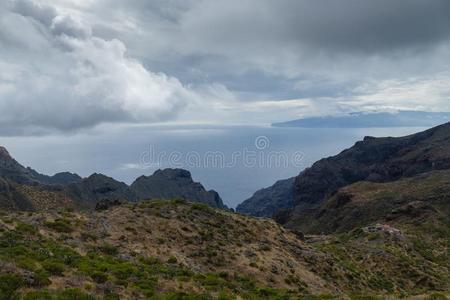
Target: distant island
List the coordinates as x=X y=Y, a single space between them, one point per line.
x=402 y=118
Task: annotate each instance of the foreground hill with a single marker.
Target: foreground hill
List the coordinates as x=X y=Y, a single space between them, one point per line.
x=180 y=250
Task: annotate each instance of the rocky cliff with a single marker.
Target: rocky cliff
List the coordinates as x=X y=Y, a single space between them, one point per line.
x=376 y=160
x=174 y=183
x=267 y=202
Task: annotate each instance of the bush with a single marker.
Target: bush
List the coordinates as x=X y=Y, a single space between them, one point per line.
x=99 y=277
x=41 y=278
x=69 y=294
x=172 y=260
x=60 y=225
x=9 y=284
x=54 y=267
x=437 y=296
x=108 y=249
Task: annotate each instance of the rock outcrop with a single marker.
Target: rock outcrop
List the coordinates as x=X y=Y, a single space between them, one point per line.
x=173 y=184
x=267 y=202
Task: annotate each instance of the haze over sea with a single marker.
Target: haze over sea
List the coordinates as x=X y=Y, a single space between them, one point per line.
x=233 y=160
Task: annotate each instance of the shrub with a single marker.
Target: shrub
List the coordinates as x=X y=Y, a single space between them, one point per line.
x=99 y=277
x=172 y=260
x=437 y=296
x=60 y=225
x=26 y=228
x=108 y=249
x=9 y=284
x=41 y=278
x=53 y=267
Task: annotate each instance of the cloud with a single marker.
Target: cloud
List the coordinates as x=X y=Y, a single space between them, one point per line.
x=240 y=61
x=262 y=49
x=72 y=79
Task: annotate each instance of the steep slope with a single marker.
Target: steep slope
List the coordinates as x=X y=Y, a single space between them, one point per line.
x=415 y=200
x=174 y=183
x=399 y=229
x=374 y=159
x=11 y=198
x=12 y=170
x=181 y=250
x=267 y=202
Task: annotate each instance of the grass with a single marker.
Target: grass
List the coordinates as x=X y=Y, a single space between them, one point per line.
x=65 y=250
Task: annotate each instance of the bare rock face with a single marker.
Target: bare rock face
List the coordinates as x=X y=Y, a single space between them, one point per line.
x=172 y=184
x=267 y=202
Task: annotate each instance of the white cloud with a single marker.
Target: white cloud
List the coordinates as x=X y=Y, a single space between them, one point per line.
x=73 y=79
x=420 y=93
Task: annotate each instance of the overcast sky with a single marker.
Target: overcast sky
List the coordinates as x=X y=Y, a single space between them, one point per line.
x=70 y=65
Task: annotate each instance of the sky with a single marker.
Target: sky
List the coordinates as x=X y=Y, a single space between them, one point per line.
x=71 y=66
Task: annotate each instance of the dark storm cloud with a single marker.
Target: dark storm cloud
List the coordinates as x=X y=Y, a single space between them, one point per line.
x=365 y=25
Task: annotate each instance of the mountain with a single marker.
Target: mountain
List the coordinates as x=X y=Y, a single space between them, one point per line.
x=174 y=183
x=374 y=159
x=23 y=188
x=14 y=171
x=416 y=200
x=62 y=178
x=10 y=169
x=267 y=202
x=99 y=187
x=11 y=197
x=402 y=118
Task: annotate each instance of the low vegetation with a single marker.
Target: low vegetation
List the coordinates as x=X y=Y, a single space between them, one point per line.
x=179 y=250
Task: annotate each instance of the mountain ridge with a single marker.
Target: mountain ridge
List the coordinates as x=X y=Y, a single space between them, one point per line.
x=33 y=190
x=372 y=159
